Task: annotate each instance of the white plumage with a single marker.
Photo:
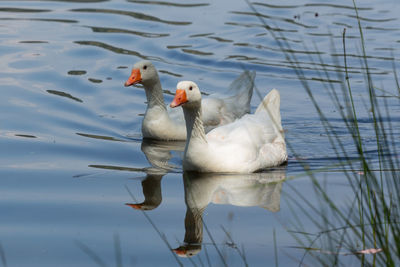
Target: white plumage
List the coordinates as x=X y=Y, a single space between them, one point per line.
x=249 y=144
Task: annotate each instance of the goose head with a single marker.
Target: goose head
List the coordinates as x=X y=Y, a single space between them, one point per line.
x=141 y=206
x=187 y=94
x=187 y=250
x=143 y=72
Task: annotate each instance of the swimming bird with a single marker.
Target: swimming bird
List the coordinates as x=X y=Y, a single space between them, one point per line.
x=249 y=144
x=162 y=123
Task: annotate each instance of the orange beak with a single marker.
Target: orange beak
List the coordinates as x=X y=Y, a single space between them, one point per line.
x=181 y=251
x=134 y=78
x=135 y=206
x=179 y=99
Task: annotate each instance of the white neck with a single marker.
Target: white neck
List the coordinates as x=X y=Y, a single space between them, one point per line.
x=154 y=95
x=194 y=124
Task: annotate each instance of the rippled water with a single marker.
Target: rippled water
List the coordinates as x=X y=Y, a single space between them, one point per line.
x=71 y=149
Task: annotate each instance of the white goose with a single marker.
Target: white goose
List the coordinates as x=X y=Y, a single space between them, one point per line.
x=251 y=143
x=165 y=124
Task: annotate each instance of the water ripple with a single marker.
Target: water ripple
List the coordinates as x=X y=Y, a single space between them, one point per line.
x=163 y=3
x=23 y=10
x=274 y=18
x=197 y=52
x=63 y=94
x=135 y=15
x=312 y=5
x=111 y=48
x=42 y=19
x=116 y=30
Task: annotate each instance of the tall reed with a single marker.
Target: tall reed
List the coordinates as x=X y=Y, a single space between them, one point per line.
x=367 y=230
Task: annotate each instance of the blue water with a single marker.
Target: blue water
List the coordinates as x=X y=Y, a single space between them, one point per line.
x=71 y=147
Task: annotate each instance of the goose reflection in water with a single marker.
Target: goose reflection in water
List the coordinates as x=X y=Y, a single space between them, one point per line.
x=158 y=154
x=246 y=190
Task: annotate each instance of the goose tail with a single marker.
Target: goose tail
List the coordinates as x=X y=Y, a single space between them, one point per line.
x=271 y=104
x=240 y=93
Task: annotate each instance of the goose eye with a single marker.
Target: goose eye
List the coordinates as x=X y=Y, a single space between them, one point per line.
x=191 y=88
x=144 y=67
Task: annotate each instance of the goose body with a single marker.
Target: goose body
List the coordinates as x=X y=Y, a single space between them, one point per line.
x=163 y=123
x=249 y=144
